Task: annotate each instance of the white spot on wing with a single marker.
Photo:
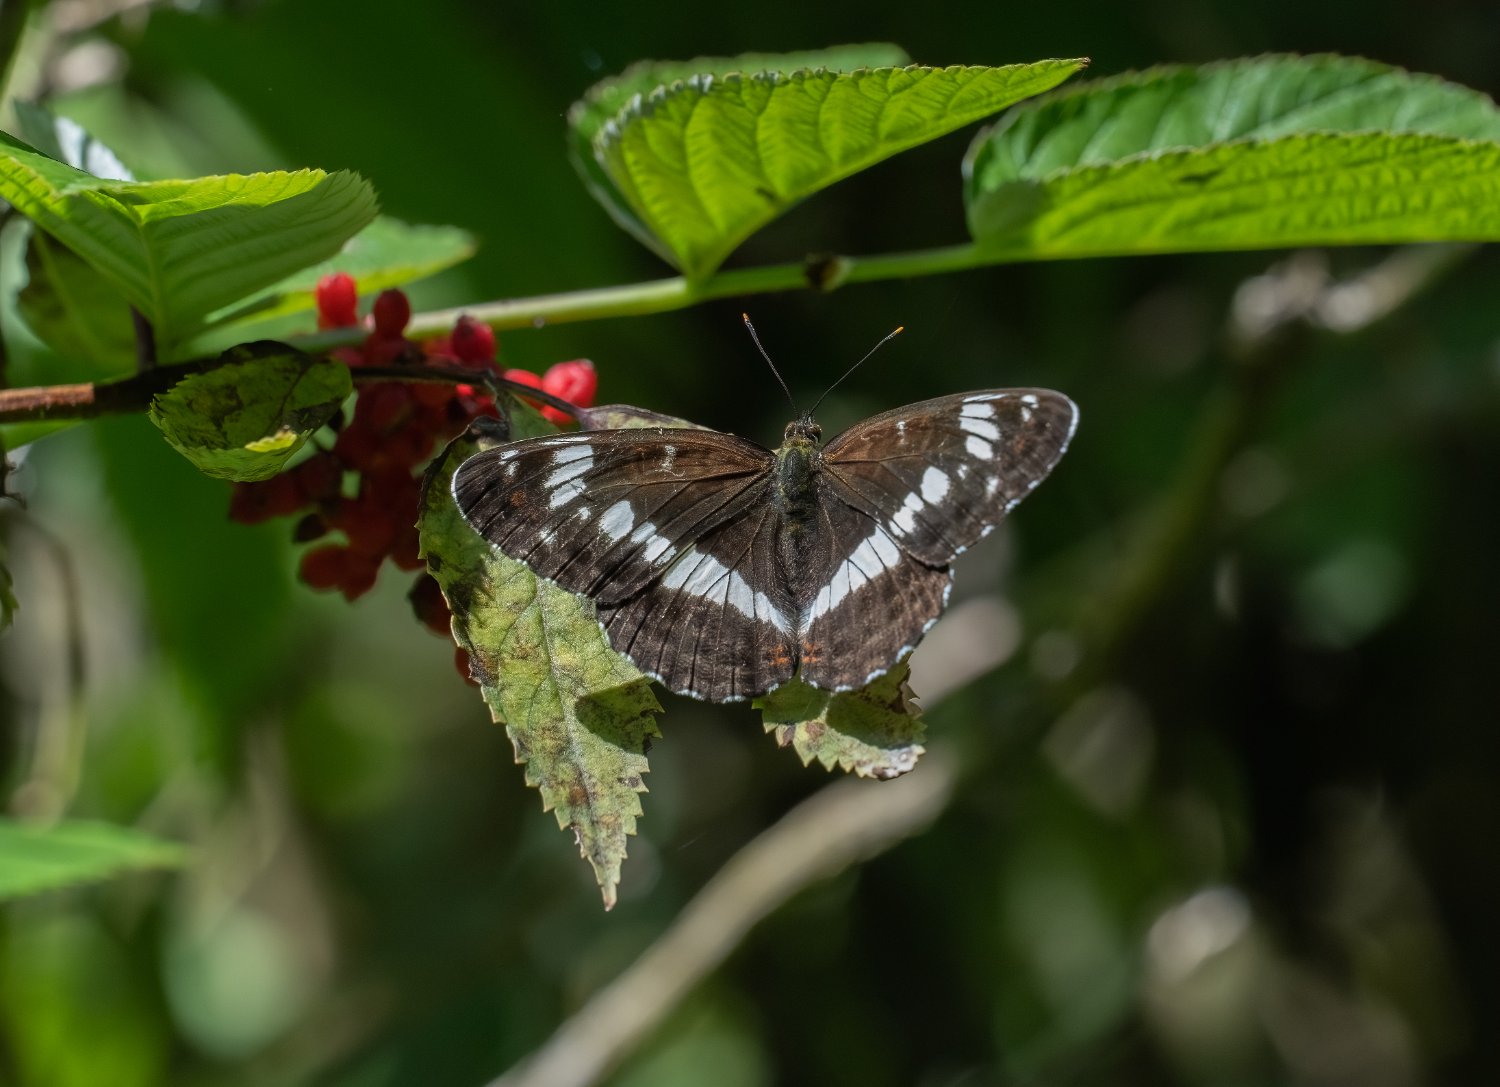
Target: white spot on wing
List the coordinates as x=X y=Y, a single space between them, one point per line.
x=875 y=554
x=982 y=428
x=617 y=520
x=565 y=494
x=977 y=409
x=935 y=485
x=979 y=448
x=570 y=462
x=656 y=548
x=705 y=576
x=905 y=520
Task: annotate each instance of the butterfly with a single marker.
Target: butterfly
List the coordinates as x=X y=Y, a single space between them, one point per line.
x=722 y=569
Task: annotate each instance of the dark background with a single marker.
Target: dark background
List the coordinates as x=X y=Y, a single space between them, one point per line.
x=1248 y=837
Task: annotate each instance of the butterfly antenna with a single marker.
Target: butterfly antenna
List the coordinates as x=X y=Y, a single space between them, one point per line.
x=889 y=336
x=746 y=318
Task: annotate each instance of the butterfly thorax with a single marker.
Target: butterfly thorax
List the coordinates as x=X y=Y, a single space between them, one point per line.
x=797 y=463
x=795 y=494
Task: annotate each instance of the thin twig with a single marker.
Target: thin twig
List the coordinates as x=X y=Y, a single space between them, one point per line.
x=131 y=395
x=845 y=823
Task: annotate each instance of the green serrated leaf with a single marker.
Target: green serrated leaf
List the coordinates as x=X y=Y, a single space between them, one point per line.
x=706 y=162
x=179 y=250
x=244 y=418
x=387 y=253
x=875 y=731
x=605 y=99
x=34 y=859
x=1267 y=152
x=580 y=716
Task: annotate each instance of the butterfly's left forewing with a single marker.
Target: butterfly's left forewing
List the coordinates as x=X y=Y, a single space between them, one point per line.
x=939 y=474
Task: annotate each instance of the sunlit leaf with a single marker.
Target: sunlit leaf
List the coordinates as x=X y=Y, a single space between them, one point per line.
x=242 y=420
x=875 y=731
x=34 y=859
x=580 y=716
x=605 y=99
x=707 y=161
x=1273 y=151
x=387 y=253
x=178 y=250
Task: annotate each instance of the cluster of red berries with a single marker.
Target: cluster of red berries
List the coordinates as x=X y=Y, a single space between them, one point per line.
x=366 y=486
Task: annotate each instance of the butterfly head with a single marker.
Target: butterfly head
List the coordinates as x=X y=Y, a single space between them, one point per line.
x=803 y=431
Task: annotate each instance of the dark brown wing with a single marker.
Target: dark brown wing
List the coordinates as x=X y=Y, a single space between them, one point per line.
x=940 y=474
x=716 y=624
x=604 y=513
x=875 y=601
x=672 y=535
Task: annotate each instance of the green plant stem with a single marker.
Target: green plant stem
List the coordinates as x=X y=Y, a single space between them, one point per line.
x=92 y=399
x=678 y=292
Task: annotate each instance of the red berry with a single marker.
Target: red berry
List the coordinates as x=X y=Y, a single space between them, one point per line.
x=472 y=341
x=357 y=447
x=370 y=529
x=324 y=567
x=383 y=406
x=575 y=381
x=252 y=503
x=406 y=551
x=524 y=377
x=320 y=477
x=336 y=296
x=392 y=311
x=359 y=576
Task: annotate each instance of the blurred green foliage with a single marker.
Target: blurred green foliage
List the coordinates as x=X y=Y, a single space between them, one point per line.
x=1236 y=828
